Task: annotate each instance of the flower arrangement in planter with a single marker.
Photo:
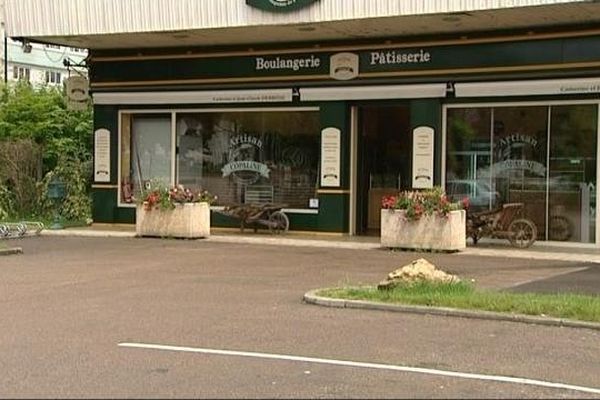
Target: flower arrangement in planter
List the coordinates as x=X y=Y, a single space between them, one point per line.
x=424 y=219
x=158 y=196
x=419 y=203
x=173 y=212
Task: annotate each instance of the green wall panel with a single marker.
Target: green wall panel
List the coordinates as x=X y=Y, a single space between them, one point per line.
x=103 y=205
x=333 y=208
x=333 y=213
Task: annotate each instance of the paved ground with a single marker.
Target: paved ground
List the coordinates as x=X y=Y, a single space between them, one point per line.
x=67 y=302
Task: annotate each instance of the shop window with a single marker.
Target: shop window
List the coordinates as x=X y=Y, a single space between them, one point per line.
x=572 y=173
x=250 y=156
x=541 y=156
x=146 y=152
x=468 y=157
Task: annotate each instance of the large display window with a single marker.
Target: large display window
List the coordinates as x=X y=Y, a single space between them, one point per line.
x=242 y=156
x=543 y=156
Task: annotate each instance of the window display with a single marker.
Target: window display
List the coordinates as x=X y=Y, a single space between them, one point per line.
x=245 y=156
x=543 y=156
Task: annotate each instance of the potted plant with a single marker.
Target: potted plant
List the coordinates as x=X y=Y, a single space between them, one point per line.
x=424 y=220
x=176 y=212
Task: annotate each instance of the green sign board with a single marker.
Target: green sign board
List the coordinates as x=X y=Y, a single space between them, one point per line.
x=279 y=5
x=328 y=64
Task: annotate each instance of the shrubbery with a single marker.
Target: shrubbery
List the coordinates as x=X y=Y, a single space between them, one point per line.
x=40 y=138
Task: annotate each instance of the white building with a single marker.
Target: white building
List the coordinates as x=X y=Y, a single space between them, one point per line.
x=37 y=63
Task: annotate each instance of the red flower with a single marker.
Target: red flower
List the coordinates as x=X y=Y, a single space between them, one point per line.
x=466 y=203
x=388 y=202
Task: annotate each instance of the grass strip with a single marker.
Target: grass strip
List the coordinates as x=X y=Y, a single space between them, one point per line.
x=465 y=296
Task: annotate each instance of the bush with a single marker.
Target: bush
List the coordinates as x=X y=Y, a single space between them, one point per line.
x=7 y=203
x=74 y=170
x=20 y=169
x=40 y=138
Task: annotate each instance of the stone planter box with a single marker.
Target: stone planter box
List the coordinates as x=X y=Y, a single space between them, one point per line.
x=187 y=221
x=430 y=232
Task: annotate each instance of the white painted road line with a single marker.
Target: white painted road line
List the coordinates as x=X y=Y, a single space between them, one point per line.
x=389 y=367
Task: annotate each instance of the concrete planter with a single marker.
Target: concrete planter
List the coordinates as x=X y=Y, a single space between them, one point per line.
x=187 y=221
x=430 y=232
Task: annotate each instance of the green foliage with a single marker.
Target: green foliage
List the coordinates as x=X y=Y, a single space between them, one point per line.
x=62 y=141
x=20 y=165
x=41 y=114
x=7 y=203
x=74 y=170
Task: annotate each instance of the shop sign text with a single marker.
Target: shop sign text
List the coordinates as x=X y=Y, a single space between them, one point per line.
x=243 y=164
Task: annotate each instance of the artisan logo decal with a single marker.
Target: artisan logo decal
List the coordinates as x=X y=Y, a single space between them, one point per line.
x=344 y=66
x=279 y=5
x=244 y=150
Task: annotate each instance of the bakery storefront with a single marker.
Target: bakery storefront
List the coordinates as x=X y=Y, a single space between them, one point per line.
x=328 y=131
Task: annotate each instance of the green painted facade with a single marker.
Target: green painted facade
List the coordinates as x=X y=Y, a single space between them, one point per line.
x=524 y=59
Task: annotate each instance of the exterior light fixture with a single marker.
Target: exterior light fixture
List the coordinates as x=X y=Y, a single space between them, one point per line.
x=26 y=46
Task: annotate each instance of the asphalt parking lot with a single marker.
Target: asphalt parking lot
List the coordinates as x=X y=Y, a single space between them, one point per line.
x=69 y=302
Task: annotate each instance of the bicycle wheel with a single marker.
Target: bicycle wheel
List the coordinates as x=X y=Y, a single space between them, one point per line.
x=522 y=233
x=560 y=228
x=278 y=222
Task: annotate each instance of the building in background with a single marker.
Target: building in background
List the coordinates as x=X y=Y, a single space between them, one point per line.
x=40 y=64
x=328 y=105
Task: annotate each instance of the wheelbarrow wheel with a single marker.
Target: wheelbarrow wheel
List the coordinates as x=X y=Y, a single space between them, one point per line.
x=522 y=233
x=278 y=222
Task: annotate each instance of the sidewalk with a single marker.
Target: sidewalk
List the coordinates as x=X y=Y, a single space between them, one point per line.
x=538 y=251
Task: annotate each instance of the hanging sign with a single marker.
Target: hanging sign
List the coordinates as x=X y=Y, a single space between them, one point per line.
x=102 y=155
x=279 y=5
x=422 y=160
x=77 y=90
x=330 y=157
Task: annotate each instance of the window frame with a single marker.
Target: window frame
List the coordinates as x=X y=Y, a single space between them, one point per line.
x=525 y=103
x=26 y=71
x=173 y=112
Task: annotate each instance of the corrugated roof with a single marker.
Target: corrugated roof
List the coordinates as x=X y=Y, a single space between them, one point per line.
x=58 y=20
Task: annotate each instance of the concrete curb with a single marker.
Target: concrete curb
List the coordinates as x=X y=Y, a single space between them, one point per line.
x=86 y=233
x=312 y=298
x=574 y=255
x=11 y=251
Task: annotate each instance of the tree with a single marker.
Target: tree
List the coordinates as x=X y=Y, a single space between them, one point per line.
x=59 y=139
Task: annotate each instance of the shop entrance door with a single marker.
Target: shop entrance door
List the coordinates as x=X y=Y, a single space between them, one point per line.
x=384 y=146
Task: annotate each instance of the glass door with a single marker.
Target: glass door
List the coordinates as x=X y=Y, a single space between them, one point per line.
x=384 y=158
